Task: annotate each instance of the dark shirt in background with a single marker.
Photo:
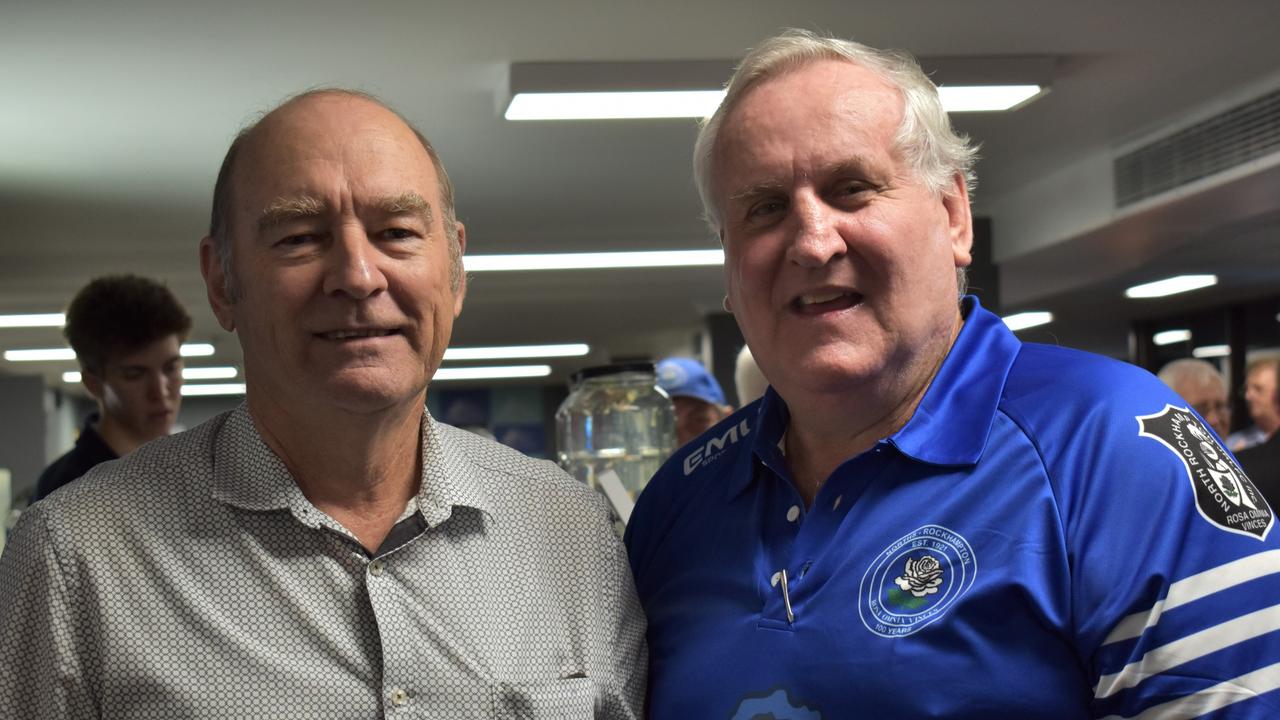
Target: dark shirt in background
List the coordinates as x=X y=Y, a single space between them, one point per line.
x=1262 y=464
x=90 y=450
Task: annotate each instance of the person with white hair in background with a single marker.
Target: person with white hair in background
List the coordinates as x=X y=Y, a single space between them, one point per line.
x=1204 y=389
x=925 y=516
x=747 y=378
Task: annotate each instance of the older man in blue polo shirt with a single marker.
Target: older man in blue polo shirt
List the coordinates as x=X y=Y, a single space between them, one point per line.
x=924 y=516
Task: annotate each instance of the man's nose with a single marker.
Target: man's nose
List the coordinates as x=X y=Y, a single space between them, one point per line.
x=158 y=386
x=816 y=240
x=352 y=265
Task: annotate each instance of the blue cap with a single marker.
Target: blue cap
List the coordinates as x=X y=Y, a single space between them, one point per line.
x=685 y=377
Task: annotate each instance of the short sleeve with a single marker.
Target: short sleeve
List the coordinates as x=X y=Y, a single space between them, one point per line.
x=41 y=677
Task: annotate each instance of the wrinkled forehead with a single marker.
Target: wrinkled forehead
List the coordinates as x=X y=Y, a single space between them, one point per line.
x=331 y=128
x=806 y=104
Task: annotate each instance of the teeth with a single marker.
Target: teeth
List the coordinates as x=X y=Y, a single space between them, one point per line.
x=347 y=334
x=815 y=298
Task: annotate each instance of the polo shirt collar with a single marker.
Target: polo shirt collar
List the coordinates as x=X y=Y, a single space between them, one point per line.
x=249 y=475
x=951 y=425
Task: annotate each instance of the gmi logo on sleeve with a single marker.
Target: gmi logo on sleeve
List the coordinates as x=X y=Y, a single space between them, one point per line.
x=1224 y=495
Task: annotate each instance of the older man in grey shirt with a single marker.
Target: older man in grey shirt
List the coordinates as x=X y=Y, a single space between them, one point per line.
x=327 y=550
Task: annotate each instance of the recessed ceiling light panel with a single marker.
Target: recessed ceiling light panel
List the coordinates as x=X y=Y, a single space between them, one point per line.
x=1171 y=286
x=1024 y=320
x=32 y=320
x=1211 y=351
x=1169 y=337
x=593 y=261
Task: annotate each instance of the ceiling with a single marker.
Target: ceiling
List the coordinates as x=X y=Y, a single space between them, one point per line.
x=116 y=115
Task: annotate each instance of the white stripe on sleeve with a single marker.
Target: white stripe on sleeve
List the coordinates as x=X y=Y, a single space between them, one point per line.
x=1195 y=587
x=1213 y=698
x=1195 y=645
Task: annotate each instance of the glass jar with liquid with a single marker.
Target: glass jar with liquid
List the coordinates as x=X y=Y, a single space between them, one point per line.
x=616 y=423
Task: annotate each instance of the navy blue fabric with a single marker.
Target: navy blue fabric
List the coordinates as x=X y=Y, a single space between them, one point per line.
x=89 y=450
x=984 y=561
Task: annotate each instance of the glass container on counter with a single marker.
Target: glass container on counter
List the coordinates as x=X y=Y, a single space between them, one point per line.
x=617 y=419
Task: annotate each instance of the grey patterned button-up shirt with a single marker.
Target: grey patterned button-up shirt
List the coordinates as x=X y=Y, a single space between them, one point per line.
x=192 y=579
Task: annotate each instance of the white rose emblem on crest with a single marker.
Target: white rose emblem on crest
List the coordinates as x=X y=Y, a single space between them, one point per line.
x=922 y=576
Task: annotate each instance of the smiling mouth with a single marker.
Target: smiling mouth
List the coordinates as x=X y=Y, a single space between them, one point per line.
x=356 y=334
x=817 y=303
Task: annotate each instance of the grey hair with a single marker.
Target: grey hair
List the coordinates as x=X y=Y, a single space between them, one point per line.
x=925 y=140
x=220 y=217
x=1186 y=371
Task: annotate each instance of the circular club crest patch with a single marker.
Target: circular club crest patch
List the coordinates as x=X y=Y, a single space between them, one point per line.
x=915 y=580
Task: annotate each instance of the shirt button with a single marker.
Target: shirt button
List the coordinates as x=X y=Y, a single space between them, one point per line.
x=399 y=697
x=375 y=568
x=836 y=505
x=777 y=577
x=793 y=513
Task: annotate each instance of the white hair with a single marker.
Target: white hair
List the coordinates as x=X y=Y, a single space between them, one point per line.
x=1187 y=372
x=925 y=140
x=748 y=381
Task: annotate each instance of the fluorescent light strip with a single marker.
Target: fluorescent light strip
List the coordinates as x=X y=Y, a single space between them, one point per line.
x=51 y=354
x=622 y=105
x=1024 y=320
x=1171 y=286
x=39 y=354
x=1169 y=337
x=985 y=98
x=614 y=105
x=29 y=321
x=213 y=389
x=517 y=351
x=593 y=261
x=492 y=373
x=1211 y=351
x=71 y=376
x=209 y=373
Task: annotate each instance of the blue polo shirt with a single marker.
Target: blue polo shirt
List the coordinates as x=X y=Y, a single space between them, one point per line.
x=1053 y=534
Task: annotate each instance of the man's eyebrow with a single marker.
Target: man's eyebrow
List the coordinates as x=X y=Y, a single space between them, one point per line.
x=283 y=210
x=409 y=203
x=758 y=190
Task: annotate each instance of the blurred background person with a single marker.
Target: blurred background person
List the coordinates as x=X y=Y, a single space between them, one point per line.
x=1260 y=377
x=697 y=397
x=1262 y=462
x=747 y=378
x=126 y=331
x=1204 y=389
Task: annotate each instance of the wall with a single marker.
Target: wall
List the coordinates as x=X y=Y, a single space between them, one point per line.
x=24 y=407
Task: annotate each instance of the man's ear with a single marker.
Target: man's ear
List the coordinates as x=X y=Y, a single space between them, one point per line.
x=959 y=220
x=92 y=383
x=215 y=285
x=461 y=294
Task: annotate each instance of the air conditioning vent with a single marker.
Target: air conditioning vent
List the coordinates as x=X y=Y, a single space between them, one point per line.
x=1241 y=134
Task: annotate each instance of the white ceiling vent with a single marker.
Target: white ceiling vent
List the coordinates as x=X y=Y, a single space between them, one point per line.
x=1243 y=133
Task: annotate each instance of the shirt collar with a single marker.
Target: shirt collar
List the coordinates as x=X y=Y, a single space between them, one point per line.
x=951 y=425
x=450 y=476
x=249 y=475
x=90 y=441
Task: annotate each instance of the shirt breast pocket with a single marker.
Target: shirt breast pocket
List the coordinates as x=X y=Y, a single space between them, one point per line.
x=567 y=699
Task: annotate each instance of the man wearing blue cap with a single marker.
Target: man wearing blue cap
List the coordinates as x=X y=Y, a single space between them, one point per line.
x=697 y=397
